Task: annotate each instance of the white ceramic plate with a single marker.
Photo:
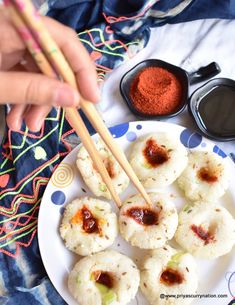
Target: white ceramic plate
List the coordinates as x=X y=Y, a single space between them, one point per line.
x=216 y=277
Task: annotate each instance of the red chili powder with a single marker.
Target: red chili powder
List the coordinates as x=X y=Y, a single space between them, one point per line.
x=156 y=91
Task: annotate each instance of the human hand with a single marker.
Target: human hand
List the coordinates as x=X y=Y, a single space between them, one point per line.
x=32 y=94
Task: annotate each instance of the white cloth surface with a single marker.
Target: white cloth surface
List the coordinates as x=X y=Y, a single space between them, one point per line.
x=189 y=45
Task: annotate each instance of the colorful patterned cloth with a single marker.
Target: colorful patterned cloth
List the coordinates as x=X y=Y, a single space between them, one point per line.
x=116 y=33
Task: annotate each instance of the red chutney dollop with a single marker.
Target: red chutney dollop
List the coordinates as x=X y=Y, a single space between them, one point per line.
x=171 y=277
x=89 y=222
x=145 y=216
x=206 y=236
x=104 y=278
x=155 y=154
x=207 y=175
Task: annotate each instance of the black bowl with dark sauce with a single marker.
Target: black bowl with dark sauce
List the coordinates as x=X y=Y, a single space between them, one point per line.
x=213 y=109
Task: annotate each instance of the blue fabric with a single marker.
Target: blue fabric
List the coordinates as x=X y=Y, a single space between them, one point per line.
x=23 y=180
x=204 y=9
x=129 y=22
x=117 y=30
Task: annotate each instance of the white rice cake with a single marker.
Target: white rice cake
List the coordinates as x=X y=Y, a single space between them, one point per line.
x=206 y=231
x=158 y=159
x=145 y=227
x=88 y=225
x=107 y=277
x=92 y=177
x=206 y=177
x=166 y=272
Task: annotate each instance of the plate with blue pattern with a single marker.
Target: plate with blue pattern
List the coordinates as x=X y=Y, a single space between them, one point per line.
x=216 y=277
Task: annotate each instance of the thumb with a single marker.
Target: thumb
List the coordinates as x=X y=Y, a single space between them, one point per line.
x=37 y=89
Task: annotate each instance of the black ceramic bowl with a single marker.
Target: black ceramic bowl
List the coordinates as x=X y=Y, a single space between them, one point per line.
x=183 y=76
x=213 y=109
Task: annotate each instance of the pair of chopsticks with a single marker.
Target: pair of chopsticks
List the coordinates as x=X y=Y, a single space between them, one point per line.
x=46 y=53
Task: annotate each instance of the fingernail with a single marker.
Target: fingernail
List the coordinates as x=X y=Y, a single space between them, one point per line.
x=36 y=127
x=66 y=96
x=16 y=125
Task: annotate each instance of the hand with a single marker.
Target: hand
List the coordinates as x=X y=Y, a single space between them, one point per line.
x=32 y=94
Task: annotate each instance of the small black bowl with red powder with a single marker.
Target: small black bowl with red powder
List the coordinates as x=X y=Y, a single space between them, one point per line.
x=155 y=89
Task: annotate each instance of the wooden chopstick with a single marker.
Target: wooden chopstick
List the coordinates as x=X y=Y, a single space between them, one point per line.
x=72 y=114
x=55 y=55
x=119 y=155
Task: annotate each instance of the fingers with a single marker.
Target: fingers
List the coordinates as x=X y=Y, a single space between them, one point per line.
x=21 y=88
x=78 y=58
x=29 y=64
x=10 y=39
x=10 y=60
x=70 y=46
x=15 y=117
x=37 y=89
x=35 y=116
x=26 y=64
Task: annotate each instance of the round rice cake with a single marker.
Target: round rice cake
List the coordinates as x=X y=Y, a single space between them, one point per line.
x=148 y=227
x=88 y=226
x=206 y=177
x=167 y=271
x=158 y=159
x=205 y=231
x=107 y=277
x=92 y=177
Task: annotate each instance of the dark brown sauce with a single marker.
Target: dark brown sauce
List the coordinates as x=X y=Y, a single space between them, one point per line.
x=171 y=277
x=217 y=110
x=154 y=153
x=202 y=234
x=207 y=175
x=145 y=216
x=104 y=278
x=89 y=222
